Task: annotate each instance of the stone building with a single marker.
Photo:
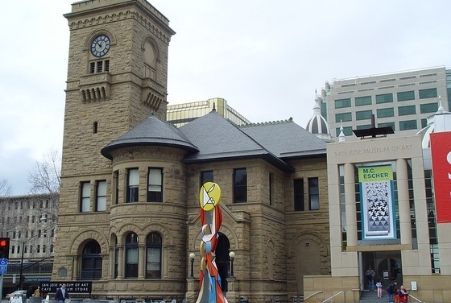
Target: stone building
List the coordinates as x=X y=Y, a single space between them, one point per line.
x=128 y=215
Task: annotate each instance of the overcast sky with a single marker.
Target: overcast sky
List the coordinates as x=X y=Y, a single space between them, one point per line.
x=265 y=57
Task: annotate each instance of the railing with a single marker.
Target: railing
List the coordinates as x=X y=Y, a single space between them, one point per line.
x=312 y=295
x=330 y=298
x=416 y=299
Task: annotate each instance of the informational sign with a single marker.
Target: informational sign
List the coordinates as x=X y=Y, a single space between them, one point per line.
x=3 y=266
x=441 y=170
x=80 y=287
x=377 y=202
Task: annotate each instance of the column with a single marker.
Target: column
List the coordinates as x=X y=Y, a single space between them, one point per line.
x=120 y=260
x=141 y=261
x=403 y=201
x=351 y=221
x=111 y=256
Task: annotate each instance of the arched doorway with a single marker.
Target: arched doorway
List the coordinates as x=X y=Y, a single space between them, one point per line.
x=223 y=260
x=91 y=261
x=308 y=261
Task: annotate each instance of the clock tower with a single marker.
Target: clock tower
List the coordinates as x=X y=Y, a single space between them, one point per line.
x=117 y=77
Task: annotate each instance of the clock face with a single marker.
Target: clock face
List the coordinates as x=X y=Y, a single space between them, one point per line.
x=100 y=45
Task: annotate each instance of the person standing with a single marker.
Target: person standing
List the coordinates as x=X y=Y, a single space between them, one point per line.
x=370 y=273
x=61 y=294
x=379 y=289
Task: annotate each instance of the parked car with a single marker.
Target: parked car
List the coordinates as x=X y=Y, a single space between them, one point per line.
x=16 y=293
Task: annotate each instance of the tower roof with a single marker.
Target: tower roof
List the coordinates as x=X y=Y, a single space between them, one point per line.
x=317 y=125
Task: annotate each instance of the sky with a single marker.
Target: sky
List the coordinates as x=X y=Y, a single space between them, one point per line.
x=265 y=57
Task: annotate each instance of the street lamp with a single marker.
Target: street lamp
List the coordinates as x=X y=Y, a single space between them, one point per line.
x=232 y=256
x=191 y=257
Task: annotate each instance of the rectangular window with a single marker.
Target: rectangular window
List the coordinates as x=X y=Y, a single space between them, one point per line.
x=85 y=193
x=343 y=117
x=365 y=126
x=313 y=192
x=424 y=123
x=384 y=98
x=38 y=249
x=385 y=112
x=92 y=67
x=428 y=108
x=239 y=185
x=342 y=103
x=406 y=96
x=361 y=101
x=428 y=93
x=298 y=190
x=107 y=65
x=101 y=195
x=270 y=181
x=347 y=131
x=116 y=186
x=387 y=124
x=155 y=185
x=205 y=176
x=99 y=68
x=363 y=115
x=406 y=125
x=132 y=185
x=406 y=110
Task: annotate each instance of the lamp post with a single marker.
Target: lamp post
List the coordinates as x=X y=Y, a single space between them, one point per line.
x=232 y=256
x=191 y=257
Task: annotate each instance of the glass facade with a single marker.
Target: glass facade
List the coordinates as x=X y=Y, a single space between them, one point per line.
x=407 y=110
x=384 y=98
x=341 y=103
x=387 y=124
x=364 y=114
x=428 y=93
x=428 y=108
x=406 y=96
x=347 y=131
x=361 y=101
x=343 y=117
x=385 y=112
x=406 y=125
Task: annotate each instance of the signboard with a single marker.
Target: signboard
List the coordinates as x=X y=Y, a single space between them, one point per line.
x=3 y=266
x=441 y=170
x=377 y=202
x=79 y=287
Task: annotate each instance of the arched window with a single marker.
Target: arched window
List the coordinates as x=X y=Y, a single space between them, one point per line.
x=91 y=261
x=153 y=258
x=131 y=256
x=115 y=257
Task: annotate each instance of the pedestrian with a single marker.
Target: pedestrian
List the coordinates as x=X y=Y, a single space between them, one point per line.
x=379 y=289
x=370 y=273
x=403 y=295
x=61 y=294
x=390 y=292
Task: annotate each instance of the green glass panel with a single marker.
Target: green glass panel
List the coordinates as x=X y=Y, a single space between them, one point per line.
x=360 y=101
x=424 y=123
x=428 y=108
x=364 y=126
x=346 y=130
x=343 y=117
x=342 y=103
x=405 y=125
x=324 y=110
x=385 y=112
x=428 y=93
x=387 y=124
x=362 y=115
x=384 y=98
x=407 y=110
x=406 y=96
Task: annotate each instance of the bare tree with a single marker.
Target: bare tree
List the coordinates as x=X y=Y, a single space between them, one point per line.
x=46 y=176
x=5 y=189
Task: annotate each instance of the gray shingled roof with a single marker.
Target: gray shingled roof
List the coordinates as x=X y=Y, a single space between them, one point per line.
x=151 y=131
x=285 y=139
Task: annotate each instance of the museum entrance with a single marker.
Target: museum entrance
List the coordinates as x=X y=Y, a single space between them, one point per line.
x=384 y=266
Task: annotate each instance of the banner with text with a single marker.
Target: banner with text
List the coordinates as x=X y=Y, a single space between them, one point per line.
x=80 y=287
x=376 y=202
x=441 y=170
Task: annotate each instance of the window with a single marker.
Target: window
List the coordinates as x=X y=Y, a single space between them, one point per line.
x=85 y=192
x=341 y=103
x=361 y=101
x=239 y=185
x=406 y=110
x=116 y=186
x=91 y=261
x=99 y=66
x=101 y=195
x=132 y=185
x=347 y=131
x=131 y=256
x=428 y=93
x=364 y=114
x=424 y=123
x=343 y=117
x=313 y=192
x=384 y=98
x=153 y=258
x=363 y=126
x=385 y=112
x=38 y=249
x=205 y=176
x=406 y=96
x=270 y=181
x=428 y=108
x=387 y=124
x=406 y=125
x=298 y=190
x=155 y=186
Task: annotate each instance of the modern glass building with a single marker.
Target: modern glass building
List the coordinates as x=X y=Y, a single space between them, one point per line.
x=400 y=100
x=180 y=114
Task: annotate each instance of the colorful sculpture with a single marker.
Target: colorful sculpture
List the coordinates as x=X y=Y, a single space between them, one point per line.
x=211 y=219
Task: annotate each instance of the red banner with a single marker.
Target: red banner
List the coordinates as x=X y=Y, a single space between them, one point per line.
x=441 y=169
